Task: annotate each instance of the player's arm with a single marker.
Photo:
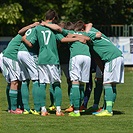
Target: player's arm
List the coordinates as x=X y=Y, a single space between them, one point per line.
x=28 y=43
x=24 y=29
x=52 y=26
x=88 y=27
x=67 y=39
x=78 y=36
x=98 y=35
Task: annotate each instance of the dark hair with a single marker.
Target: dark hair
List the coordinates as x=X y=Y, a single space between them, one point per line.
x=61 y=24
x=69 y=26
x=79 y=25
x=51 y=14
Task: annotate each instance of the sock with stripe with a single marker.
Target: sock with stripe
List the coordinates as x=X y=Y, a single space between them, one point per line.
x=51 y=91
x=36 y=95
x=109 y=97
x=76 y=96
x=42 y=94
x=13 y=98
x=25 y=94
x=58 y=94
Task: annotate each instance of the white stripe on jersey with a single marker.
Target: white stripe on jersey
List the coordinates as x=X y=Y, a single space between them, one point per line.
x=106 y=39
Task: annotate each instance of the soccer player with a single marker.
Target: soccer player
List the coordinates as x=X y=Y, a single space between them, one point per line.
x=79 y=67
x=27 y=58
x=6 y=75
x=48 y=63
x=55 y=27
x=64 y=64
x=11 y=63
x=113 y=69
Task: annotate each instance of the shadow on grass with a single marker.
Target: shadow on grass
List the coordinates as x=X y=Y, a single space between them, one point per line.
x=115 y=112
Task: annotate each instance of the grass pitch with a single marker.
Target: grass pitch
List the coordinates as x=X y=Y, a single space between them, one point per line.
x=121 y=122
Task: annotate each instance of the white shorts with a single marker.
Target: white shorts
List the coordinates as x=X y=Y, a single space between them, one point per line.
x=49 y=73
x=4 y=69
x=114 y=71
x=79 y=68
x=12 y=68
x=28 y=65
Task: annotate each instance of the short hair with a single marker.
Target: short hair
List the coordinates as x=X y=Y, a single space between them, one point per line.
x=61 y=24
x=51 y=15
x=79 y=25
x=69 y=26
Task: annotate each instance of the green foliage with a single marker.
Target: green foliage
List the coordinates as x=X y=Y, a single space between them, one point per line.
x=9 y=14
x=19 y=13
x=72 y=10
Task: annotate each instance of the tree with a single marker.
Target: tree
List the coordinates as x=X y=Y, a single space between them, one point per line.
x=15 y=14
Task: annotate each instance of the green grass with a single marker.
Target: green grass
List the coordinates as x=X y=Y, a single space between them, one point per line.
x=121 y=122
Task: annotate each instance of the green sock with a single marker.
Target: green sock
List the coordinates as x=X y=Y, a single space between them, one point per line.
x=76 y=96
x=81 y=88
x=108 y=96
x=42 y=91
x=70 y=97
x=25 y=95
x=13 y=98
x=19 y=100
x=7 y=95
x=58 y=94
x=51 y=94
x=36 y=95
x=98 y=91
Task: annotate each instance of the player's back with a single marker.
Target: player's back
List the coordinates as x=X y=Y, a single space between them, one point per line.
x=48 y=53
x=12 y=48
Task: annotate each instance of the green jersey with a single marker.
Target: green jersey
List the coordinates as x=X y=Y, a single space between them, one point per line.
x=48 y=53
x=23 y=47
x=77 y=48
x=103 y=46
x=12 y=49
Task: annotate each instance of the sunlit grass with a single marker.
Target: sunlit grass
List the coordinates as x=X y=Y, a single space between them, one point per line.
x=121 y=122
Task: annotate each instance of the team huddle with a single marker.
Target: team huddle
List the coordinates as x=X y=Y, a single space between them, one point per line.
x=41 y=50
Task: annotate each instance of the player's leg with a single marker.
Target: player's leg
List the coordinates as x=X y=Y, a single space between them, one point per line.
x=98 y=88
x=65 y=69
x=52 y=98
x=79 y=73
x=75 y=98
x=40 y=93
x=5 y=73
x=86 y=78
x=25 y=95
x=7 y=95
x=54 y=72
x=19 y=98
x=58 y=98
x=14 y=74
x=88 y=90
x=110 y=79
